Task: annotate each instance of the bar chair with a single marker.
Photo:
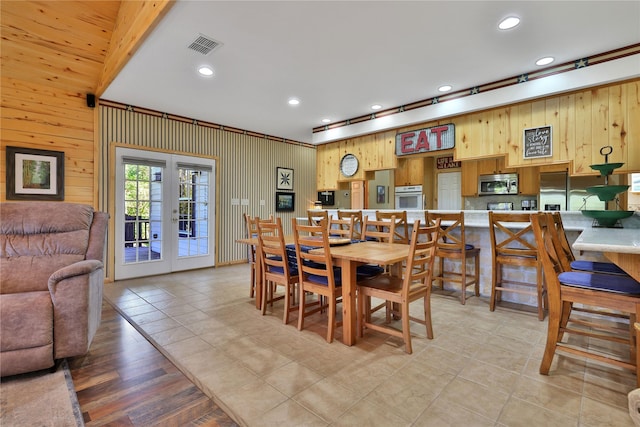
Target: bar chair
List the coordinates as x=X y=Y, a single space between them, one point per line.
x=401 y=231
x=570 y=260
x=278 y=267
x=400 y=291
x=452 y=246
x=317 y=274
x=511 y=247
x=614 y=293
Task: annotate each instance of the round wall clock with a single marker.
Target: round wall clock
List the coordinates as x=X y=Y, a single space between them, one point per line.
x=349 y=165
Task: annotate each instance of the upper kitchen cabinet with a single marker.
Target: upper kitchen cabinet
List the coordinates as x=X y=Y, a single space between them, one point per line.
x=493 y=166
x=469 y=172
x=410 y=171
x=529 y=181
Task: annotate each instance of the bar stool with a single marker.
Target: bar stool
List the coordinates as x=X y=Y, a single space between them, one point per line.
x=315 y=216
x=357 y=221
x=452 y=246
x=401 y=233
x=510 y=247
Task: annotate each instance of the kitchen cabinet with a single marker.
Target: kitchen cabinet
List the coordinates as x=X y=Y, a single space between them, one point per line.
x=493 y=166
x=409 y=172
x=529 y=181
x=469 y=173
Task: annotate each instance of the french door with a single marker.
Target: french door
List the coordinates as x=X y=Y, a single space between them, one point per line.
x=164 y=213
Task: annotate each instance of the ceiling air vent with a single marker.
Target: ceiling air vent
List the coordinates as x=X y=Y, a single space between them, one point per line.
x=204 y=44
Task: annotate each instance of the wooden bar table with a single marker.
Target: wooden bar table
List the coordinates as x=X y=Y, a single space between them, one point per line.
x=620 y=245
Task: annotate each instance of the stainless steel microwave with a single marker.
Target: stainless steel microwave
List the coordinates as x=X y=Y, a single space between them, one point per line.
x=498 y=184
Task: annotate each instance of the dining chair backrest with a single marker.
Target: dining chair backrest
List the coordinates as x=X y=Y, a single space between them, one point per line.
x=273 y=251
x=316 y=215
x=312 y=266
x=379 y=230
x=342 y=227
x=357 y=220
x=401 y=231
x=251 y=231
x=422 y=250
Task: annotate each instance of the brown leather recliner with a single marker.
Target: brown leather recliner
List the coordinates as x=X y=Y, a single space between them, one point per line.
x=51 y=282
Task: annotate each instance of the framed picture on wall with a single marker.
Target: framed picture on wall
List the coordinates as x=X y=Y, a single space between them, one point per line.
x=34 y=174
x=284 y=177
x=285 y=202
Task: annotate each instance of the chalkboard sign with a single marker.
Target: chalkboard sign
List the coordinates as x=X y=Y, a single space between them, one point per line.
x=537 y=142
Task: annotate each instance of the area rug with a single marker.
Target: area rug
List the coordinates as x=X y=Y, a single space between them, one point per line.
x=40 y=398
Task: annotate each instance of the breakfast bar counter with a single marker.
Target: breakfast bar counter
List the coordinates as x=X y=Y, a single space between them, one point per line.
x=620 y=245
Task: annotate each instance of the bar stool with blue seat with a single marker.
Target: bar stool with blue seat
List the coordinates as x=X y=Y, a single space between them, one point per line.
x=560 y=238
x=615 y=293
x=452 y=246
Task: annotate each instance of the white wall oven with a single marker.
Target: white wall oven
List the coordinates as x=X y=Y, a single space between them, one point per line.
x=409 y=197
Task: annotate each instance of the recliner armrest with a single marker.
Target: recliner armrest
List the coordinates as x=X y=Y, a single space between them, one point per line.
x=76 y=269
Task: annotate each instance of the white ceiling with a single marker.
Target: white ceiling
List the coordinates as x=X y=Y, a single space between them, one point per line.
x=340 y=57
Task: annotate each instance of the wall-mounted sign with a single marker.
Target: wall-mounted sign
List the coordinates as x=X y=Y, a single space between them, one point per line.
x=447 y=163
x=425 y=140
x=537 y=142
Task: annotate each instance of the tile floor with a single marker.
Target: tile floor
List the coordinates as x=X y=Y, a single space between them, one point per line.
x=481 y=369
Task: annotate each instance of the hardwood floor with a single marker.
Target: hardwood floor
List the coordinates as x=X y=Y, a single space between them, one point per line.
x=125 y=381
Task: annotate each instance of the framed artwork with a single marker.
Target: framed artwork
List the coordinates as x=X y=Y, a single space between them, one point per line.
x=285 y=202
x=34 y=174
x=284 y=179
x=382 y=195
x=537 y=142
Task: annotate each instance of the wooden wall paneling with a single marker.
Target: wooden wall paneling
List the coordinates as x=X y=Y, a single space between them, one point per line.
x=600 y=125
x=618 y=119
x=583 y=140
x=501 y=132
x=566 y=133
x=633 y=126
x=135 y=20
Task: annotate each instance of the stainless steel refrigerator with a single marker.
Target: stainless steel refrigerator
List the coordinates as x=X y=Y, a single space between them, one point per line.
x=558 y=191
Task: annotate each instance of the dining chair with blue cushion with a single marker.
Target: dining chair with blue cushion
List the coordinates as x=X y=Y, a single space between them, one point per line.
x=608 y=294
x=317 y=274
x=278 y=268
x=400 y=291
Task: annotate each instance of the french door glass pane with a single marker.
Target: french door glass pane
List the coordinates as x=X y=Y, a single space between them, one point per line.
x=193 y=209
x=143 y=205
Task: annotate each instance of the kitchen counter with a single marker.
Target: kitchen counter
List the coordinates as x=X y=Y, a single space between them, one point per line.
x=619 y=240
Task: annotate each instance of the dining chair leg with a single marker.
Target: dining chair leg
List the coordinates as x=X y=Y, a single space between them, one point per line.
x=494 y=280
x=302 y=305
x=332 y=320
x=427 y=315
x=406 y=331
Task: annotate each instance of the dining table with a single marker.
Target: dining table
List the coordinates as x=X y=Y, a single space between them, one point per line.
x=348 y=257
x=619 y=245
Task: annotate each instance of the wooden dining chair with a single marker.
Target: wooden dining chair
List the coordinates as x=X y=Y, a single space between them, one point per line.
x=513 y=246
x=381 y=230
x=357 y=221
x=279 y=268
x=613 y=293
x=317 y=274
x=401 y=230
x=254 y=262
x=342 y=227
x=452 y=246
x=314 y=216
x=400 y=291
x=562 y=243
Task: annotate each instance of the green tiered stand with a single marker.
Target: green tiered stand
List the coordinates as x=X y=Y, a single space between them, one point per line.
x=607 y=193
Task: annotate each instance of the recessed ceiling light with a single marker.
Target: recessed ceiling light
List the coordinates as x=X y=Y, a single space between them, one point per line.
x=445 y=88
x=508 y=23
x=545 y=61
x=376 y=106
x=205 y=70
x=326 y=120
x=294 y=101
